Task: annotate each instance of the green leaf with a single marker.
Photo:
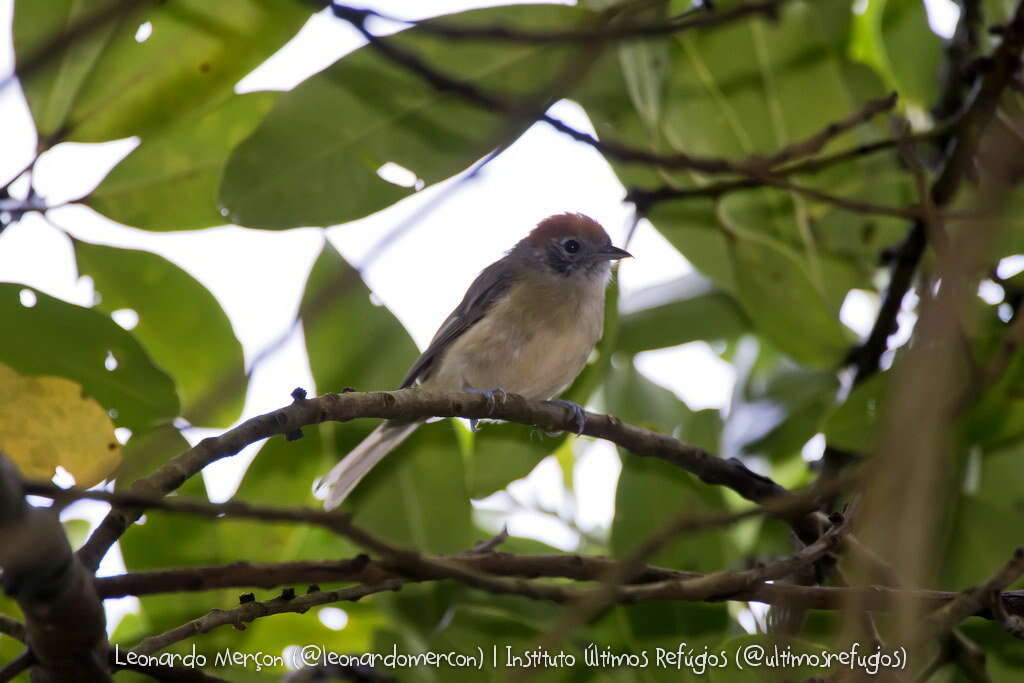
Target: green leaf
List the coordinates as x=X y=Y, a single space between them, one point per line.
x=77 y=531
x=635 y=399
x=9 y=647
x=996 y=419
x=779 y=295
x=53 y=86
x=417 y=495
x=53 y=337
x=652 y=492
x=180 y=324
x=742 y=90
x=688 y=309
x=314 y=159
x=984 y=536
x=282 y=474
x=853 y=426
x=146 y=451
x=804 y=398
x=111 y=86
x=694 y=229
x=170 y=181
x=351 y=341
x=644 y=67
x=894 y=37
x=1002 y=479
x=502 y=453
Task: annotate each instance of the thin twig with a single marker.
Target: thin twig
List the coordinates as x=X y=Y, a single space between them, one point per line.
x=645 y=198
x=16 y=666
x=718 y=585
x=816 y=142
x=250 y=611
x=10 y=626
x=973 y=599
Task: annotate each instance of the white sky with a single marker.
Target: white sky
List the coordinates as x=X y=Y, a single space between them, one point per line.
x=260 y=284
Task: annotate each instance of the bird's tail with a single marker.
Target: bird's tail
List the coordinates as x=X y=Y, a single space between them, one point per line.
x=344 y=476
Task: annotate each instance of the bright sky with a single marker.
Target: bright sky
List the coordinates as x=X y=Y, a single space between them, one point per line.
x=260 y=285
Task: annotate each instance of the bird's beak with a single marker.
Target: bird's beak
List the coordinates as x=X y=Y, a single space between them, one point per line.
x=611 y=253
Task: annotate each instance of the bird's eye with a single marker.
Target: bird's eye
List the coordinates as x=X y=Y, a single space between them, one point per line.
x=571 y=246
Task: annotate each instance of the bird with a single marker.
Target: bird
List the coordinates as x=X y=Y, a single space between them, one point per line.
x=526 y=325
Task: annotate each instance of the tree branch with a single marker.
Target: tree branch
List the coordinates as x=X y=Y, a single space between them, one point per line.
x=755 y=167
x=624 y=30
x=363 y=569
x=250 y=611
x=64 y=621
x=964 y=137
x=12 y=627
x=416 y=403
x=646 y=198
x=973 y=599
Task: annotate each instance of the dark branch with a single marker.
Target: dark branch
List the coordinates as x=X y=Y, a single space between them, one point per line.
x=624 y=30
x=416 y=403
x=1004 y=63
x=65 y=627
x=363 y=569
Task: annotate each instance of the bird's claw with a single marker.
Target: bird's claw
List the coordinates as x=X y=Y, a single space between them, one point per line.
x=579 y=416
x=492 y=397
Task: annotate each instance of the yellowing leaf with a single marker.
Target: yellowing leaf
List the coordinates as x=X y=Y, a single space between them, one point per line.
x=48 y=421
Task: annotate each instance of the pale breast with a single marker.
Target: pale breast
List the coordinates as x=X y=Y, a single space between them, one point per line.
x=534 y=341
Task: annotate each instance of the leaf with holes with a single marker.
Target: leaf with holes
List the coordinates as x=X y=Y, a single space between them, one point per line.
x=52 y=337
x=180 y=324
x=146 y=64
x=314 y=159
x=47 y=421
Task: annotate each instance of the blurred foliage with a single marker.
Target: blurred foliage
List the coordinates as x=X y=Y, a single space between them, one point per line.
x=773 y=271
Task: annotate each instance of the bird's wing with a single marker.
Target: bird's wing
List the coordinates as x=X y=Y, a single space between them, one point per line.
x=481 y=295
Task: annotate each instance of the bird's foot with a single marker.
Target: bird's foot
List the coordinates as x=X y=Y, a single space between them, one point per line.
x=579 y=416
x=492 y=396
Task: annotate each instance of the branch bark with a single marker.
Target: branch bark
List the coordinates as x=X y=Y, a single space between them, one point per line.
x=363 y=569
x=416 y=403
x=65 y=627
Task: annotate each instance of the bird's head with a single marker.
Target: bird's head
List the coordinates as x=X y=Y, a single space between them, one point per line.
x=570 y=245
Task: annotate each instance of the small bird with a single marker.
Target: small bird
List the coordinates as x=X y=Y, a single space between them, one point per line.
x=526 y=325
